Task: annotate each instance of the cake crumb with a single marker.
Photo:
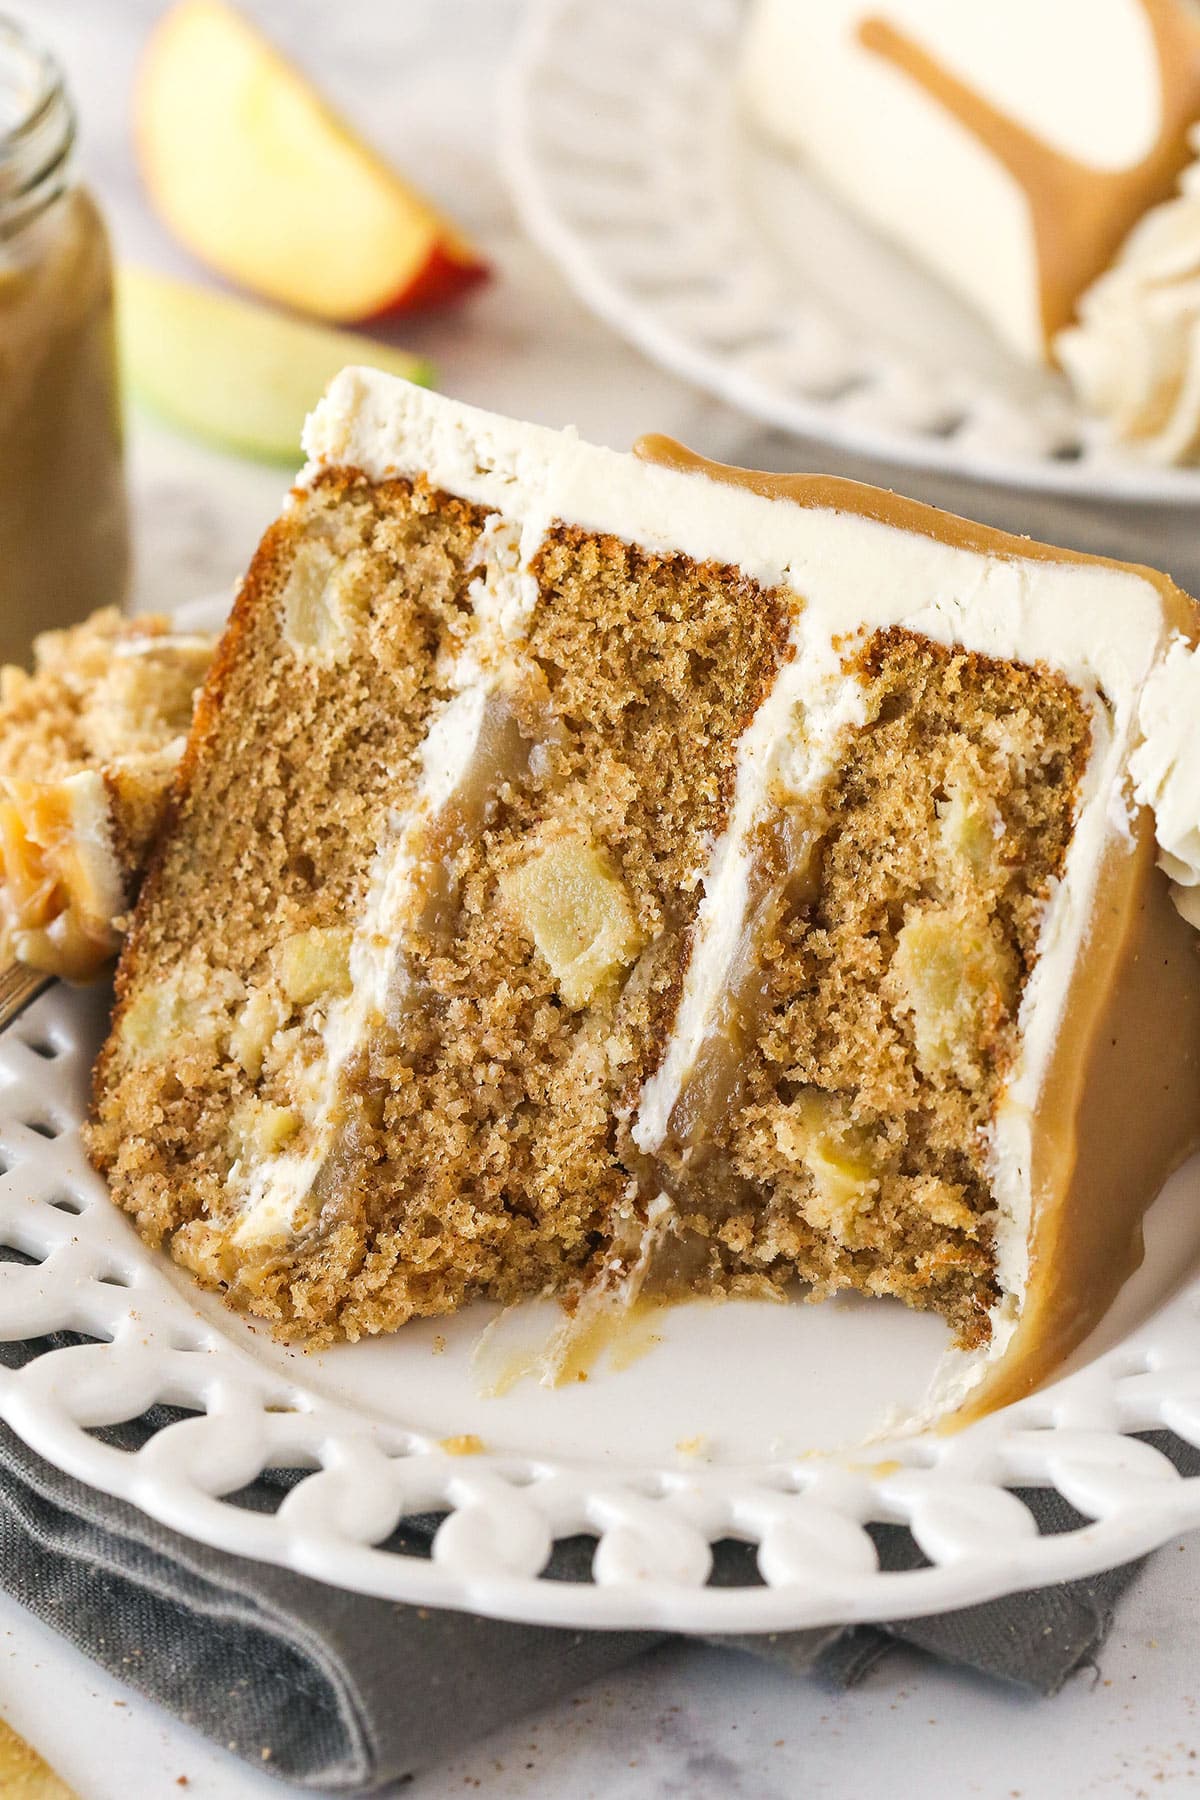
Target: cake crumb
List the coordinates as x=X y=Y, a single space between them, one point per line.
x=464 y=1443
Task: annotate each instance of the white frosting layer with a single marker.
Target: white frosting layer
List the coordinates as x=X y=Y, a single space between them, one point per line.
x=1134 y=356
x=777 y=763
x=916 y=174
x=91 y=831
x=1101 y=625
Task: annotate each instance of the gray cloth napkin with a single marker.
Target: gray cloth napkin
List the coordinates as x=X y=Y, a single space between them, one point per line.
x=346 y=1694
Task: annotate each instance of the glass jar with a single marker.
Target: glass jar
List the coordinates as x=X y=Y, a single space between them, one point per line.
x=63 y=524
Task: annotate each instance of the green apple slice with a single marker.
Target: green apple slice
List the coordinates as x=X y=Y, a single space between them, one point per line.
x=239 y=374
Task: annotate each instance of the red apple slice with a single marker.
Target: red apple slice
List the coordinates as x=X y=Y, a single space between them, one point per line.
x=265 y=183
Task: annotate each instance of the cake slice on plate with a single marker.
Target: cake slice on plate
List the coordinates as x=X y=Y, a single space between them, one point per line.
x=593 y=872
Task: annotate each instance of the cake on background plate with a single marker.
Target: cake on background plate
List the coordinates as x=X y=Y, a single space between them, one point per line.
x=1029 y=154
x=89 y=743
x=600 y=874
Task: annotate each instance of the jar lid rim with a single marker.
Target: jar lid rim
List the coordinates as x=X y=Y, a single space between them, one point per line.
x=46 y=85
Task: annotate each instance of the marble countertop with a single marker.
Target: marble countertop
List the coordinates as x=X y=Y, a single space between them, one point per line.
x=692 y=1723
x=421 y=76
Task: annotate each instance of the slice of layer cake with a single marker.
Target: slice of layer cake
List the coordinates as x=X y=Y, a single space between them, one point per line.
x=625 y=871
x=89 y=743
x=1028 y=154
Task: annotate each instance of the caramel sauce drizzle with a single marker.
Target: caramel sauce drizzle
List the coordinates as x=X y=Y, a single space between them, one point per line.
x=1080 y=215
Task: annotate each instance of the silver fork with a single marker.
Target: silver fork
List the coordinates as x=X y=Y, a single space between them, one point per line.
x=18 y=987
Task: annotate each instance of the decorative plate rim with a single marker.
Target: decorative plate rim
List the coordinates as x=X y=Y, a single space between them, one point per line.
x=84 y=1271
x=1074 y=459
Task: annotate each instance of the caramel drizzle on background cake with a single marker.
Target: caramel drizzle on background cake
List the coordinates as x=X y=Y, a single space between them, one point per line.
x=1097 y=1164
x=1080 y=215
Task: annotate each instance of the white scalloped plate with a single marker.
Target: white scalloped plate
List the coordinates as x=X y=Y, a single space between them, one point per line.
x=721 y=260
x=723 y=1430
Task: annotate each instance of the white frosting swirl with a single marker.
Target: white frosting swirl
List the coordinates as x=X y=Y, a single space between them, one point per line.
x=1134 y=355
x=1165 y=769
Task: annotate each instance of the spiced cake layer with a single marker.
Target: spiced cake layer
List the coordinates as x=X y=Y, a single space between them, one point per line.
x=592 y=872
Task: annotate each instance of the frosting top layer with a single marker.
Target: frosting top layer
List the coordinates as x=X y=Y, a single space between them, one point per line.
x=813 y=541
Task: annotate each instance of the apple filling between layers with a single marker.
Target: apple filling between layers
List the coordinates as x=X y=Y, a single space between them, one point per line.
x=464 y=1019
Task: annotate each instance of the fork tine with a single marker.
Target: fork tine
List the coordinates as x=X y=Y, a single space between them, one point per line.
x=18 y=987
